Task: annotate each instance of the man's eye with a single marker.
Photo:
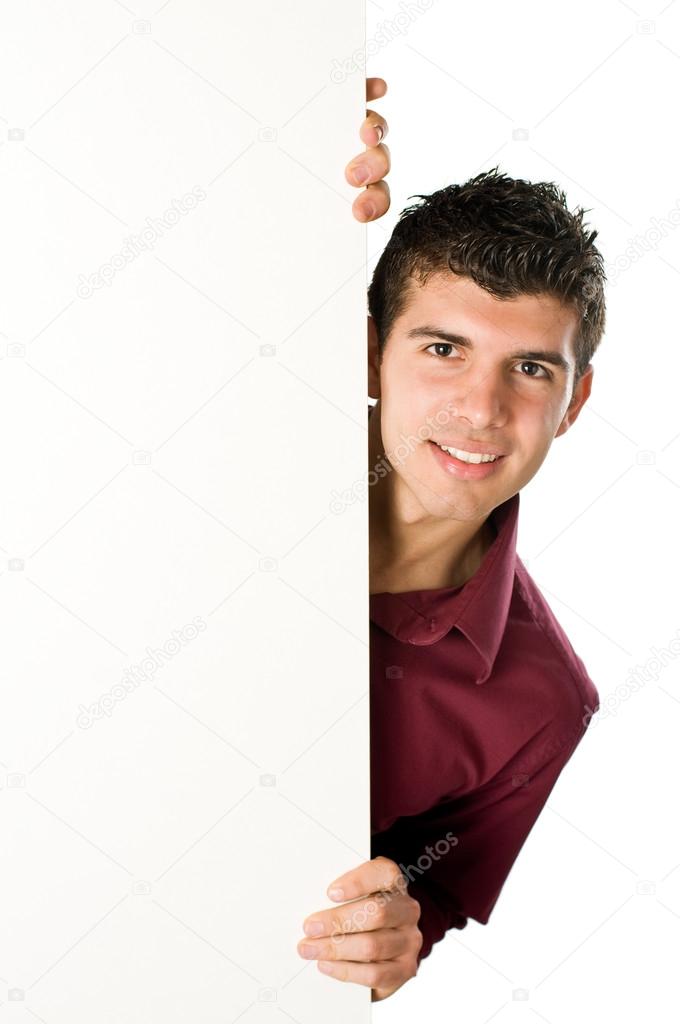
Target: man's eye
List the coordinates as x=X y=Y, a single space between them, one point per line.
x=440 y=344
x=527 y=362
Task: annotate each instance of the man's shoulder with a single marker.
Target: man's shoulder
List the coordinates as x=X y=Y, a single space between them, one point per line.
x=578 y=687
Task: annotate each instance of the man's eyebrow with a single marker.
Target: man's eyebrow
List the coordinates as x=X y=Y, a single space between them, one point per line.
x=543 y=355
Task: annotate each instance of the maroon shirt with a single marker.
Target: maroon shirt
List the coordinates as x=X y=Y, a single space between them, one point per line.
x=478 y=700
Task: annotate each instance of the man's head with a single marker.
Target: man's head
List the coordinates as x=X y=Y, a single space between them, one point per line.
x=503 y=265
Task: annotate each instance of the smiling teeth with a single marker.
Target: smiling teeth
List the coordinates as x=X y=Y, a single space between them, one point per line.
x=474 y=457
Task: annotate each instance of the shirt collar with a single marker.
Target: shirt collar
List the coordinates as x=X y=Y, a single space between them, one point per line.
x=478 y=608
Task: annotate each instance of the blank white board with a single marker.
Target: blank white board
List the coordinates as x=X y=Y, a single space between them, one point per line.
x=184 y=657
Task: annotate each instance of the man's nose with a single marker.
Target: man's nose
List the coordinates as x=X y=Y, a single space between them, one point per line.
x=482 y=401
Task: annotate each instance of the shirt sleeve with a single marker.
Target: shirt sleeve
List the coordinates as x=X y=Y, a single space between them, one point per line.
x=457 y=855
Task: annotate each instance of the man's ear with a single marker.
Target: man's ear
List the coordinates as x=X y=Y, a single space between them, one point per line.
x=578 y=400
x=373 y=360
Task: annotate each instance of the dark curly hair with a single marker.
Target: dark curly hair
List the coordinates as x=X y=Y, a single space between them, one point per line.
x=511 y=236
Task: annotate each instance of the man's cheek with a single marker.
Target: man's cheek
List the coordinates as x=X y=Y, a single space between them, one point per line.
x=527 y=460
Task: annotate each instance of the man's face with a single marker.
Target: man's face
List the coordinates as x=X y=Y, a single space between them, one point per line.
x=488 y=395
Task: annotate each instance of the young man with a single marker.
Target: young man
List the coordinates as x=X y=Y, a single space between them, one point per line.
x=486 y=308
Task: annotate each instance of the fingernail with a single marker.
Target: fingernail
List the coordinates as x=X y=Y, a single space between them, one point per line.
x=313 y=928
x=379 y=132
x=361 y=174
x=308 y=952
x=369 y=211
x=336 y=894
x=325 y=966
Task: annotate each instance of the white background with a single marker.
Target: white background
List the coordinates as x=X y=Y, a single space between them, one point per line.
x=173 y=427
x=588 y=924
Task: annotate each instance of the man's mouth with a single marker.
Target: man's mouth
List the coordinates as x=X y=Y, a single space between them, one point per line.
x=473 y=458
x=464 y=465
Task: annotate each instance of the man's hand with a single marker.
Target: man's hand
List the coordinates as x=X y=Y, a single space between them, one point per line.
x=374 y=201
x=374 y=940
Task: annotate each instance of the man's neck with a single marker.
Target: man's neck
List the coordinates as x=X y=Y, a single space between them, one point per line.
x=409 y=549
